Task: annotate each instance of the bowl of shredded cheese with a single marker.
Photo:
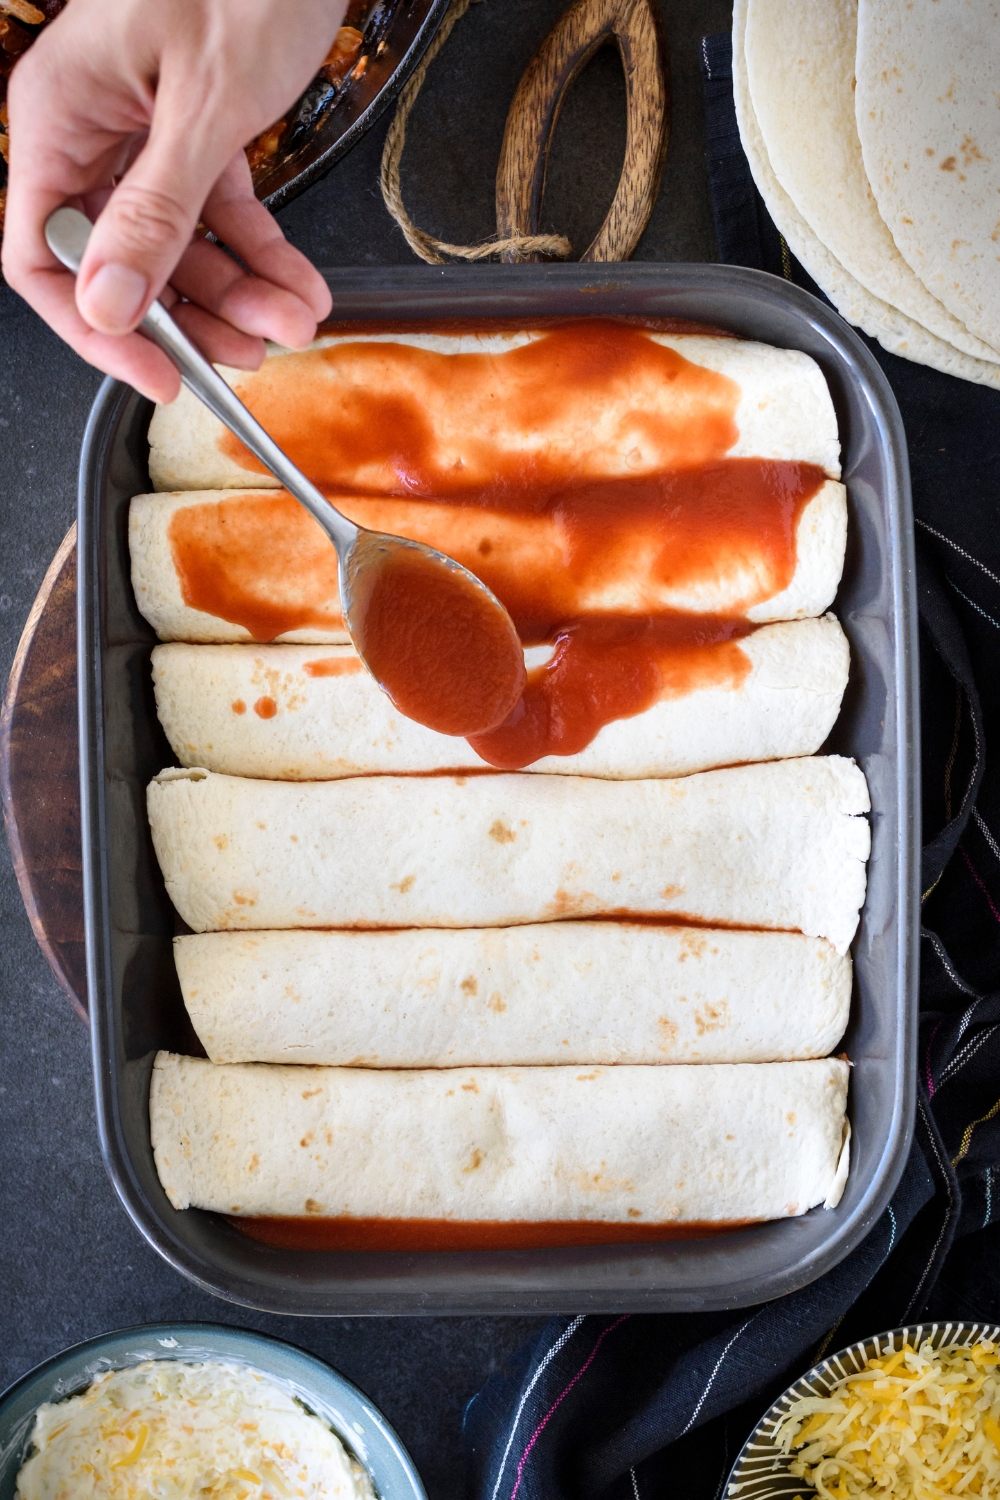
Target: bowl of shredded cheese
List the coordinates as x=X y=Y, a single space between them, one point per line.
x=195 y=1412
x=913 y=1414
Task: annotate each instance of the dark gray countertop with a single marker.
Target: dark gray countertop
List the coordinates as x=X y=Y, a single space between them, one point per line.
x=71 y=1264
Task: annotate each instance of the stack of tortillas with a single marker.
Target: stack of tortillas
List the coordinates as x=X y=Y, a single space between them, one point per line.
x=597 y=995
x=873 y=134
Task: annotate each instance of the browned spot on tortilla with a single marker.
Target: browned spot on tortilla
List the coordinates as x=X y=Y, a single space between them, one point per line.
x=472 y=1087
x=402 y=886
x=501 y=834
x=311 y=1093
x=692 y=944
x=948 y=165
x=475 y=1160
x=242 y=898
x=221 y=841
x=668 y=1033
x=669 y=891
x=635 y=1213
x=712 y=1017
x=470 y=985
x=307 y=1139
x=497 y=1002
x=253 y=1163
x=562 y=905
x=313 y=1207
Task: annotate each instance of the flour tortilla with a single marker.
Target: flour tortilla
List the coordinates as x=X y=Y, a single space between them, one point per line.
x=780 y=845
x=157 y=585
x=658 y=1145
x=323 y=728
x=927 y=113
x=800 y=62
x=558 y=992
x=893 y=329
x=784 y=412
x=526 y=544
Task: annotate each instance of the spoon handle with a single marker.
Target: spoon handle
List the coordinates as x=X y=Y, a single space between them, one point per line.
x=67 y=231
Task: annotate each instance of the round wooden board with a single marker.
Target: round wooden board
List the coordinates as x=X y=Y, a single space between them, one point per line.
x=40 y=776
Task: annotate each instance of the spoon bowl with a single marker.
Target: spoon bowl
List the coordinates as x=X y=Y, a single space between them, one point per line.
x=433 y=636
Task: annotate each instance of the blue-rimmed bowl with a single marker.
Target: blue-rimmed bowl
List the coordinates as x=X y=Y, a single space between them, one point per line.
x=761 y=1469
x=359 y=1424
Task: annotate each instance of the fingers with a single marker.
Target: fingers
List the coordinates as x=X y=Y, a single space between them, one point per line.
x=217 y=339
x=142 y=233
x=131 y=358
x=245 y=225
x=284 y=295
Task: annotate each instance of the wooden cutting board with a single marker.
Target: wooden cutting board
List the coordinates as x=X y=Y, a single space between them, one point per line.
x=39 y=775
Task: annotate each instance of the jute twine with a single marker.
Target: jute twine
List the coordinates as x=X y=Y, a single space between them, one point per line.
x=438 y=252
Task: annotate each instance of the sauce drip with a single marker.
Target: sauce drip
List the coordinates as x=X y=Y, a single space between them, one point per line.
x=642 y=580
x=611 y=669
x=433 y=639
x=450 y=1234
x=332 y=666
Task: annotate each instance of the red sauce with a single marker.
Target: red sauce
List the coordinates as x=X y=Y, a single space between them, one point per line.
x=605 y=568
x=239 y=707
x=265 y=708
x=450 y=1234
x=613 y=669
x=258 y=561
x=356 y=416
x=433 y=639
x=332 y=666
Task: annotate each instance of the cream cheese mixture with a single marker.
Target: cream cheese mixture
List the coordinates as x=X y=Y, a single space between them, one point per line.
x=166 y=1430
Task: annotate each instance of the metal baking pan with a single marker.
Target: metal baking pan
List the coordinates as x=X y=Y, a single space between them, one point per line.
x=135 y=1000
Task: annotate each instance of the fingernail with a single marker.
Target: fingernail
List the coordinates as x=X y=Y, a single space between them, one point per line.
x=114 y=297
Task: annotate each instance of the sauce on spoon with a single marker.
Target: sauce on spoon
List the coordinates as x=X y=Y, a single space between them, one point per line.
x=433 y=637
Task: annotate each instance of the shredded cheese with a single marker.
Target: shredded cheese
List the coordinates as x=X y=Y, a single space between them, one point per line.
x=916 y=1425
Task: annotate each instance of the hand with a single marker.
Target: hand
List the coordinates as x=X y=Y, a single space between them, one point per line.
x=137 y=112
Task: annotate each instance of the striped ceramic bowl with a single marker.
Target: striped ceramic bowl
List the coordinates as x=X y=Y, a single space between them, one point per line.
x=761 y=1469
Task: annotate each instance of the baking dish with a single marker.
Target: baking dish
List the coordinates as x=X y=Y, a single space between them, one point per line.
x=136 y=1006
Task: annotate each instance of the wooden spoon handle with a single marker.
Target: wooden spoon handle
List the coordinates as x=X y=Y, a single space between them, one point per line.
x=587 y=24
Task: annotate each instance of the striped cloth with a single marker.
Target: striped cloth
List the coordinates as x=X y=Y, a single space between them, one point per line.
x=631 y=1408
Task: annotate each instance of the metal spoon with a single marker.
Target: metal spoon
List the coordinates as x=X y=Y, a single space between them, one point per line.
x=484 y=677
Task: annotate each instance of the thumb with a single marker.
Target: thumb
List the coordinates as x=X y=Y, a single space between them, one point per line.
x=144 y=229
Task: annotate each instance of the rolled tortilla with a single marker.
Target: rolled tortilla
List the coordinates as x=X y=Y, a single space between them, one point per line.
x=716 y=1145
x=781 y=845
x=283 y=579
x=288 y=713
x=470 y=414
x=561 y=992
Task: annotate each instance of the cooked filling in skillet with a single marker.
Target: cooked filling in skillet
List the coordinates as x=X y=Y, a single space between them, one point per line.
x=361 y=37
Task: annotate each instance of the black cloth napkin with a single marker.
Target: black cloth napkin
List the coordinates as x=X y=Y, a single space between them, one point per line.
x=649 y=1405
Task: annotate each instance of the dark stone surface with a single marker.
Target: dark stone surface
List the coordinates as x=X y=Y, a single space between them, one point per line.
x=71 y=1265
